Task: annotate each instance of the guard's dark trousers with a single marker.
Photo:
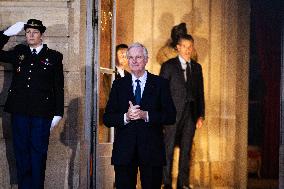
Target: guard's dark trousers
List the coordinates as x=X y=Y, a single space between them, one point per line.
x=30 y=137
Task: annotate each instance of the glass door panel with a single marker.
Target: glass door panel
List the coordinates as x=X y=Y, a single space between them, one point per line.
x=106 y=65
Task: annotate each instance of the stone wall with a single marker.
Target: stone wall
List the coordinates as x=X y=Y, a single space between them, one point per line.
x=221 y=32
x=67 y=160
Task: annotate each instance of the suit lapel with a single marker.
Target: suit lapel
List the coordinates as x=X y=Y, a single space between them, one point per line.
x=129 y=88
x=194 y=71
x=148 y=90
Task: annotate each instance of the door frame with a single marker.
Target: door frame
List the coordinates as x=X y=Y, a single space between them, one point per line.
x=93 y=33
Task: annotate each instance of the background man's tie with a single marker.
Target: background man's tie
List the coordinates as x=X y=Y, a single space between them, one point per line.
x=188 y=72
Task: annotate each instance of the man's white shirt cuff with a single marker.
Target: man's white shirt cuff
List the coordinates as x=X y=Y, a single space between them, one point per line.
x=126 y=122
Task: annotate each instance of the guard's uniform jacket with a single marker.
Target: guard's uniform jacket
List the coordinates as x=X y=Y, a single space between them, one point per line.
x=37 y=86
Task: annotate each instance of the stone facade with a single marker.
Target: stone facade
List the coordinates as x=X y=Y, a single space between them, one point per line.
x=65 y=24
x=221 y=32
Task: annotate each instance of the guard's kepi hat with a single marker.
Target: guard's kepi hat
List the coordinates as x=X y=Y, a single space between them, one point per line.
x=36 y=24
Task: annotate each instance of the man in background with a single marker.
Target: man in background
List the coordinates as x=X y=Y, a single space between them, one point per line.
x=186 y=83
x=121 y=61
x=169 y=50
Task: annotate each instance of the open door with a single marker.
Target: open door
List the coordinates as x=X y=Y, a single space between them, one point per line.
x=104 y=57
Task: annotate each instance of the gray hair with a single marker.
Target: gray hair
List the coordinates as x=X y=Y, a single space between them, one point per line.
x=138 y=45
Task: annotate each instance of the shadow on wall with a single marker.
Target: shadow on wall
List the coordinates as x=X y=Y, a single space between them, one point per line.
x=6 y=126
x=5 y=80
x=165 y=23
x=70 y=137
x=193 y=21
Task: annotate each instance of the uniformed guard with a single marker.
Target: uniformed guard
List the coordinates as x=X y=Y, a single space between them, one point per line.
x=35 y=99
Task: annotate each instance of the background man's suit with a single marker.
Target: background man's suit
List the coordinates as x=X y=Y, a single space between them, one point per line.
x=188 y=98
x=140 y=142
x=117 y=74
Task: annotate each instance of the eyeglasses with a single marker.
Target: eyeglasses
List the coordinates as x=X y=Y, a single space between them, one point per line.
x=136 y=58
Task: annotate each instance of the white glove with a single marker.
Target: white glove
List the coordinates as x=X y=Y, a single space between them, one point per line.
x=14 y=29
x=55 y=121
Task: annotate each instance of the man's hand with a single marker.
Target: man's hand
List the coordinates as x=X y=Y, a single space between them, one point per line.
x=134 y=113
x=55 y=121
x=14 y=29
x=199 y=123
x=132 y=110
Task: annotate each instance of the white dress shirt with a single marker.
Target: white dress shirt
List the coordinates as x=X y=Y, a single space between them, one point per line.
x=38 y=49
x=120 y=71
x=183 y=65
x=142 y=80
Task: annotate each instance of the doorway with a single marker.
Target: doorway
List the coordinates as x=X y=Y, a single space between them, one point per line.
x=264 y=94
x=106 y=33
x=99 y=76
x=97 y=144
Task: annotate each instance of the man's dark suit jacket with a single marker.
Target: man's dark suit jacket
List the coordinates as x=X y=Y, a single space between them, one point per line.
x=37 y=86
x=139 y=142
x=117 y=75
x=172 y=71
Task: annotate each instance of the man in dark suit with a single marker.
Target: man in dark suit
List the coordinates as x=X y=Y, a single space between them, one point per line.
x=35 y=99
x=186 y=83
x=139 y=105
x=120 y=61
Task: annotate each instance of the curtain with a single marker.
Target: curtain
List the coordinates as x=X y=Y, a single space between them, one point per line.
x=266 y=21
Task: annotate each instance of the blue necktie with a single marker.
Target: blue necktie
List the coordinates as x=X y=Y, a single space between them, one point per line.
x=137 y=92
